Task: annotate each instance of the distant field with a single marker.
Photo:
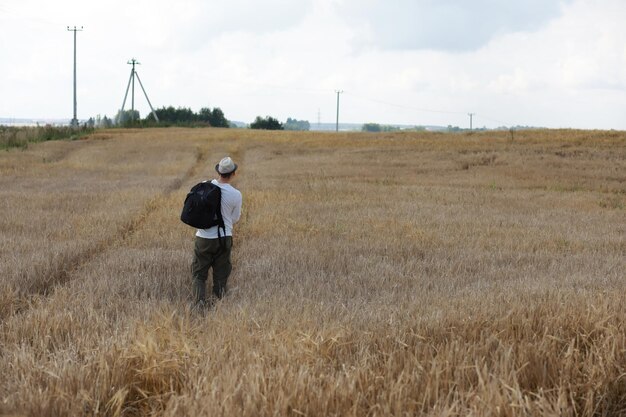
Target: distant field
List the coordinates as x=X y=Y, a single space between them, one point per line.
x=374 y=275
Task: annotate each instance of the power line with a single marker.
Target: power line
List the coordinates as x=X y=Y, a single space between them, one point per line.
x=387 y=103
x=493 y=120
x=405 y=106
x=429 y=110
x=273 y=87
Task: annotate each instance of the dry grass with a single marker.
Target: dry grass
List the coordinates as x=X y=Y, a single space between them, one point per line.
x=375 y=274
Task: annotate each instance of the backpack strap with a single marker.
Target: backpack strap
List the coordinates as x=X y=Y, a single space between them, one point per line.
x=221 y=225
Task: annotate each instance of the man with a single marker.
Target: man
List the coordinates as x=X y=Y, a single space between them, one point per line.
x=209 y=251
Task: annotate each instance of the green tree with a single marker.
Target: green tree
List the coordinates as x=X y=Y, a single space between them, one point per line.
x=106 y=122
x=217 y=118
x=213 y=117
x=205 y=114
x=293 y=124
x=126 y=117
x=371 y=127
x=183 y=116
x=180 y=115
x=267 y=123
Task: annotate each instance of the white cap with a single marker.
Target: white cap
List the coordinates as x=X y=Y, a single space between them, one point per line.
x=226 y=166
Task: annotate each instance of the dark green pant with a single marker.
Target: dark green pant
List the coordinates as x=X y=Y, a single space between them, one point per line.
x=208 y=253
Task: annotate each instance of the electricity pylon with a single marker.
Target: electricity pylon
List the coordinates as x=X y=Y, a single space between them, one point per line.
x=131 y=81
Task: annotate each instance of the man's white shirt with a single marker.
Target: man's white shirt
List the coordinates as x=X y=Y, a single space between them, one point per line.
x=231 y=211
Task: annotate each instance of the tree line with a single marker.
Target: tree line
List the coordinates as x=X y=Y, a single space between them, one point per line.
x=270 y=123
x=171 y=116
x=184 y=116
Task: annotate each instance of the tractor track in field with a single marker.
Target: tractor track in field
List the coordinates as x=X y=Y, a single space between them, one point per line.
x=63 y=272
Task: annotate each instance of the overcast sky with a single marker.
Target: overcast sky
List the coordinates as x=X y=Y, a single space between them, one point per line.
x=552 y=63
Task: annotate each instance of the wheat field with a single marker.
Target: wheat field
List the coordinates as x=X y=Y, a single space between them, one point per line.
x=392 y=274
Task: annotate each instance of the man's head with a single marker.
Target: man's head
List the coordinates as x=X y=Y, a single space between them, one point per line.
x=226 y=168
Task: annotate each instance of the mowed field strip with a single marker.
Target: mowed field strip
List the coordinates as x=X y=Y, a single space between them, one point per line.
x=374 y=274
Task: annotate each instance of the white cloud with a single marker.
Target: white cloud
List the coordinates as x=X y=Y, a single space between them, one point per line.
x=444 y=24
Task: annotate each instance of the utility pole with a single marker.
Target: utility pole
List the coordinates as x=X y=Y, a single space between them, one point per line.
x=337 y=122
x=74 y=121
x=471 y=115
x=131 y=81
x=132 y=96
x=132 y=62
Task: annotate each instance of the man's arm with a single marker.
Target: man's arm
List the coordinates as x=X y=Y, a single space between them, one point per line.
x=236 y=214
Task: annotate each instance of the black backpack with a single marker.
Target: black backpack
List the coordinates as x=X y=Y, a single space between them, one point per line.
x=202 y=208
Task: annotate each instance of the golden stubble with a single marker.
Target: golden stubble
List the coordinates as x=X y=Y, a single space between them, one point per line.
x=389 y=274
